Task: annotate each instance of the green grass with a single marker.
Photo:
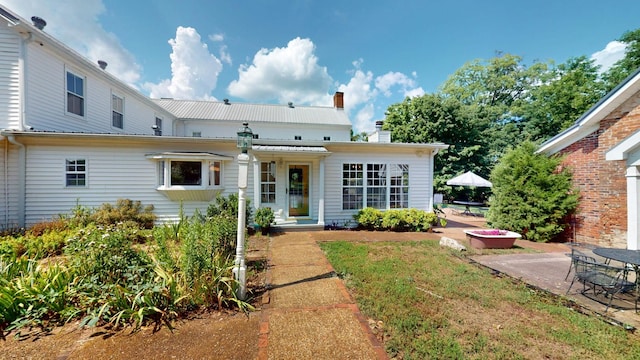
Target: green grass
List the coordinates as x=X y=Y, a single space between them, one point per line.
x=436 y=305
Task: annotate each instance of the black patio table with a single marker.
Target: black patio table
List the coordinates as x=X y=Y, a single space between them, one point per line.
x=626 y=256
x=467 y=204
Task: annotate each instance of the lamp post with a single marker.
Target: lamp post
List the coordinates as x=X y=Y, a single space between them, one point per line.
x=245 y=139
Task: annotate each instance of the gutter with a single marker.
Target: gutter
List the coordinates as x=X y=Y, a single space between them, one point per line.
x=22 y=177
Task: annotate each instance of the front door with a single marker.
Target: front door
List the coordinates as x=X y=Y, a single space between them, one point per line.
x=298 y=190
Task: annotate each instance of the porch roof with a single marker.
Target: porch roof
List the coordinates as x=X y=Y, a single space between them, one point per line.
x=290 y=149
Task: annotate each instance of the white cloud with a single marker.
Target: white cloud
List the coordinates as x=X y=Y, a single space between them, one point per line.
x=363 y=119
x=614 y=51
x=358 y=91
x=194 y=69
x=407 y=84
x=64 y=18
x=216 y=37
x=288 y=74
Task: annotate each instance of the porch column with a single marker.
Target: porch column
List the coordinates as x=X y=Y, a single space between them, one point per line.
x=256 y=183
x=321 y=194
x=633 y=215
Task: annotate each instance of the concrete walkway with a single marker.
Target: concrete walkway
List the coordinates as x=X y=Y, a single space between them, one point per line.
x=309 y=313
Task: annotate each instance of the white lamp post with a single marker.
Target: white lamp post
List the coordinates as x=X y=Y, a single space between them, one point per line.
x=245 y=139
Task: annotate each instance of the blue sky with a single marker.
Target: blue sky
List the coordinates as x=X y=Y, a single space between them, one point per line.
x=277 y=51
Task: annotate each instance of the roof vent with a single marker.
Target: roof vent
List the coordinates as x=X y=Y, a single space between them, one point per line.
x=226 y=101
x=102 y=64
x=38 y=22
x=290 y=104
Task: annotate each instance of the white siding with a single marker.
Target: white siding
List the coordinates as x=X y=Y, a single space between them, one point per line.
x=9 y=79
x=420 y=186
x=113 y=172
x=46 y=98
x=226 y=129
x=9 y=186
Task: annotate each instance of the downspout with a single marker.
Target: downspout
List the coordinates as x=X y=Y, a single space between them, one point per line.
x=22 y=64
x=432 y=160
x=6 y=184
x=22 y=176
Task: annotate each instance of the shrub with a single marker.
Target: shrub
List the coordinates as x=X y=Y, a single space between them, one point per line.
x=530 y=195
x=369 y=218
x=264 y=217
x=227 y=207
x=125 y=210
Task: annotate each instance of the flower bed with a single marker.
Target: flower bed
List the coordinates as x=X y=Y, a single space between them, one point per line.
x=491 y=238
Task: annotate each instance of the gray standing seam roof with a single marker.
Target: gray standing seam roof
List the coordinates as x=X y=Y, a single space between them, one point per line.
x=215 y=110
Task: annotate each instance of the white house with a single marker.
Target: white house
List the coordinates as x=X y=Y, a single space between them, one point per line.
x=73 y=134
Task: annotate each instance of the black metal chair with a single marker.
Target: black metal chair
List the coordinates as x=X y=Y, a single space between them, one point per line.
x=578 y=249
x=601 y=278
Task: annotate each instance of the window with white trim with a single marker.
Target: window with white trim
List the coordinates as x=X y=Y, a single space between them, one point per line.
x=157 y=130
x=117 y=111
x=189 y=170
x=352 y=186
x=377 y=186
x=399 y=186
x=215 y=171
x=381 y=186
x=76 y=173
x=268 y=182
x=75 y=94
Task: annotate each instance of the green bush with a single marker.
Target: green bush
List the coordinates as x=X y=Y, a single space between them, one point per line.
x=395 y=219
x=125 y=210
x=369 y=218
x=228 y=207
x=264 y=217
x=531 y=195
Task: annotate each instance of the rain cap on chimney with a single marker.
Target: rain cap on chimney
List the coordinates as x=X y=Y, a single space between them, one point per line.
x=38 y=22
x=102 y=64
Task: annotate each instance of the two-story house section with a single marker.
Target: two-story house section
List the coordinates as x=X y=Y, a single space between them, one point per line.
x=73 y=134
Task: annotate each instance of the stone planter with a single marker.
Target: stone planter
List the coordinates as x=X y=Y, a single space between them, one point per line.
x=491 y=239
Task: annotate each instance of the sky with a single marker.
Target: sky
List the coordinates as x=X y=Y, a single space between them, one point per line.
x=303 y=51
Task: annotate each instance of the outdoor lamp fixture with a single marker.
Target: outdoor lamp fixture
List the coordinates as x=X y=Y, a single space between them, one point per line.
x=245 y=138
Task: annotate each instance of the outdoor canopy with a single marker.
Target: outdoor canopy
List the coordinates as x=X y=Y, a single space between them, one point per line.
x=469 y=179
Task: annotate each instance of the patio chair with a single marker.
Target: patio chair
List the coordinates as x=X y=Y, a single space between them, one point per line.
x=601 y=278
x=578 y=249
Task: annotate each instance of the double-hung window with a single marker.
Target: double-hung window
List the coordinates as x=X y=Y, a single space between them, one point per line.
x=117 y=111
x=268 y=172
x=352 y=182
x=76 y=173
x=75 y=94
x=157 y=129
x=381 y=186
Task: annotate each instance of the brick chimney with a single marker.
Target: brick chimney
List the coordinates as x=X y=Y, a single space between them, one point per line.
x=338 y=100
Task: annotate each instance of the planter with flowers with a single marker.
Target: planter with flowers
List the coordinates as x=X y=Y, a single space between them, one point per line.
x=491 y=238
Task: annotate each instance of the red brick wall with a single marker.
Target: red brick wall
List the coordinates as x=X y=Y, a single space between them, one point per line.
x=602 y=211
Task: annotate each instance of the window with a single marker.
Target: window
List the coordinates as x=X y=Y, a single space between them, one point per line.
x=157 y=129
x=186 y=173
x=327 y=138
x=196 y=134
x=268 y=182
x=76 y=173
x=75 y=94
x=352 y=182
x=161 y=167
x=297 y=137
x=387 y=186
x=215 y=168
x=399 y=186
x=377 y=186
x=117 y=111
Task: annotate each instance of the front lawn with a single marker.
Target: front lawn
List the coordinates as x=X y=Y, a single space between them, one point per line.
x=433 y=304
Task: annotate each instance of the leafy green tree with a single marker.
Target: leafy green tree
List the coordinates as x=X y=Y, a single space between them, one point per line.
x=532 y=195
x=436 y=118
x=627 y=65
x=564 y=94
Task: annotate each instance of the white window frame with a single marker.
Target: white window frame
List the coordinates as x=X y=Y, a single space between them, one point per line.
x=75 y=170
x=74 y=93
x=117 y=111
x=375 y=185
x=268 y=172
x=211 y=170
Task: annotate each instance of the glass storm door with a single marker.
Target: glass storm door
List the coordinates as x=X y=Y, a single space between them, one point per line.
x=298 y=190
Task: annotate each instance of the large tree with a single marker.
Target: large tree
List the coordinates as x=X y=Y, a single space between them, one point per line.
x=627 y=65
x=564 y=93
x=436 y=118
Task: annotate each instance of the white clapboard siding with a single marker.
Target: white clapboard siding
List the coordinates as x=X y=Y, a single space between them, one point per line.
x=46 y=93
x=112 y=173
x=420 y=186
x=264 y=130
x=9 y=186
x=9 y=79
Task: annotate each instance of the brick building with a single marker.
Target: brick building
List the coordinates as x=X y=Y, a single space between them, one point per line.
x=603 y=151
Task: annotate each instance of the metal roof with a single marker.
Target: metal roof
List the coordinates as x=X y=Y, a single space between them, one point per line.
x=216 y=110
